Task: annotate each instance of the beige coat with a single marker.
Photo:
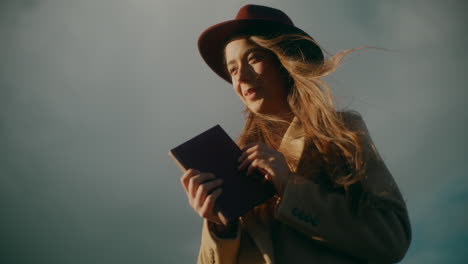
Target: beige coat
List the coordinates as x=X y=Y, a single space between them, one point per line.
x=311 y=225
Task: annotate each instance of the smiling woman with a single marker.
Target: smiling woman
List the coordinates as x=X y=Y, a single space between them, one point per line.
x=257 y=77
x=336 y=201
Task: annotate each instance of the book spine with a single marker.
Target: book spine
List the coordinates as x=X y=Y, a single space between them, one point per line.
x=177 y=161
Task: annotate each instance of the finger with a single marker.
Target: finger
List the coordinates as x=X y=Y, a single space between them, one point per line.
x=262 y=148
x=243 y=163
x=247 y=146
x=247 y=150
x=208 y=206
x=252 y=167
x=243 y=156
x=251 y=158
x=205 y=189
x=256 y=164
x=186 y=177
x=196 y=180
x=252 y=148
x=259 y=164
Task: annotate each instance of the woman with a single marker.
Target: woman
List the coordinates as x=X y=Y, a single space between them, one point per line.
x=336 y=201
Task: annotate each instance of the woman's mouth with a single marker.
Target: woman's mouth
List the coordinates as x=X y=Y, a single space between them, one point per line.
x=250 y=93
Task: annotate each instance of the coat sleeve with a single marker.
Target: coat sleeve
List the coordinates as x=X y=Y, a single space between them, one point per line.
x=381 y=232
x=218 y=250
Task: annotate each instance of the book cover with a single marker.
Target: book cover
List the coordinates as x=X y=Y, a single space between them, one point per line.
x=215 y=152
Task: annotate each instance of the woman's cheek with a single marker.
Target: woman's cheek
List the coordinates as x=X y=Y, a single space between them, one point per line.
x=236 y=88
x=260 y=68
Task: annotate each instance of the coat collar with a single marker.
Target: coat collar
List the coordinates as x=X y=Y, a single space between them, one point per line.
x=293 y=140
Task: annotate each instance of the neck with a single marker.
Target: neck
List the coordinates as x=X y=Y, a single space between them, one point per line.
x=279 y=124
x=282 y=114
x=285 y=116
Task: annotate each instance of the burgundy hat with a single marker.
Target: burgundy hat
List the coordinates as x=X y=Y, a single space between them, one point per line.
x=251 y=20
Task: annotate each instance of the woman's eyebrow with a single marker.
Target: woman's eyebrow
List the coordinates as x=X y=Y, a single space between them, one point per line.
x=246 y=53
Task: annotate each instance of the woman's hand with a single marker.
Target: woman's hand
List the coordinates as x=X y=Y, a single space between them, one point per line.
x=202 y=190
x=268 y=161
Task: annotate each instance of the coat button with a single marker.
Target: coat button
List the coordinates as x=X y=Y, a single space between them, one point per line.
x=212 y=256
x=294 y=211
x=298 y=213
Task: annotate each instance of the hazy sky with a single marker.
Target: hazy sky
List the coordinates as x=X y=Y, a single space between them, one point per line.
x=94 y=93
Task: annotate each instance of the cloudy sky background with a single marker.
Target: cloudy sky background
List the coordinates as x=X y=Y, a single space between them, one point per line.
x=94 y=93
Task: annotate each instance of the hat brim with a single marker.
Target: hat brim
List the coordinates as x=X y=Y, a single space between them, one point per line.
x=212 y=41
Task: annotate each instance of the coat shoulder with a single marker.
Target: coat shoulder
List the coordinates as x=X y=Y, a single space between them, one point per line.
x=352 y=120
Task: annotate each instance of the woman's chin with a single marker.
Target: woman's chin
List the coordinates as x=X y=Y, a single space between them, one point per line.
x=260 y=110
x=256 y=107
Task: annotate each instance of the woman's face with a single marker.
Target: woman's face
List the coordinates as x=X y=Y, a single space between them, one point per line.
x=256 y=77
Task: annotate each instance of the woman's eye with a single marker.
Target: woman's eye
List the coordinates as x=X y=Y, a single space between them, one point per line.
x=253 y=58
x=232 y=70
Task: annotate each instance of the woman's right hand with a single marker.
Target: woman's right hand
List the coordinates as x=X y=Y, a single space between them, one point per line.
x=202 y=190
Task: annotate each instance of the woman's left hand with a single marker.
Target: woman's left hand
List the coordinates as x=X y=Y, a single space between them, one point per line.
x=268 y=161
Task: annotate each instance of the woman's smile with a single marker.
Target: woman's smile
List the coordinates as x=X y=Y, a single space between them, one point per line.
x=251 y=93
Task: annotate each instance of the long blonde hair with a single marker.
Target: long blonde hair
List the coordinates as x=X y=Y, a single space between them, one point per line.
x=311 y=102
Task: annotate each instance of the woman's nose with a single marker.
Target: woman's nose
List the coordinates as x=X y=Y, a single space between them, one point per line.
x=246 y=73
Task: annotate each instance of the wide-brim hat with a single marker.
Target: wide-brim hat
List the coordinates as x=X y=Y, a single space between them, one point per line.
x=250 y=20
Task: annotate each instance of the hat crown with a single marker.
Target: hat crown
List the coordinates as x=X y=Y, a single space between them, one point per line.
x=253 y=20
x=263 y=13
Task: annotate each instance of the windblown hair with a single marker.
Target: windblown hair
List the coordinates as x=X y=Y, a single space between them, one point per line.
x=311 y=102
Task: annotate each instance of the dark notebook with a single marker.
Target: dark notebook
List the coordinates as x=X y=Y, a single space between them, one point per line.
x=215 y=152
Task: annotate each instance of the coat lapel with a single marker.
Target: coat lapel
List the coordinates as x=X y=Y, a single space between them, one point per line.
x=260 y=232
x=293 y=140
x=259 y=228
